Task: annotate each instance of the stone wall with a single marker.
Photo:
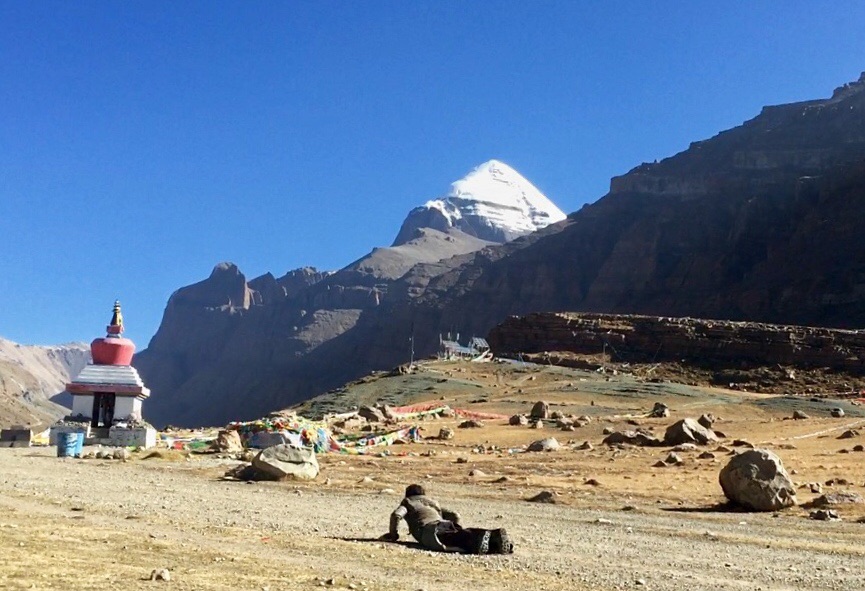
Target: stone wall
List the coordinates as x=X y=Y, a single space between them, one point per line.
x=648 y=339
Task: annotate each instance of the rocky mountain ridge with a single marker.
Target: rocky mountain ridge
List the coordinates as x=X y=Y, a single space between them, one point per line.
x=228 y=337
x=32 y=378
x=760 y=222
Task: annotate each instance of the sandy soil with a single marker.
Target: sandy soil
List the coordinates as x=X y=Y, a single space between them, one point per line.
x=103 y=524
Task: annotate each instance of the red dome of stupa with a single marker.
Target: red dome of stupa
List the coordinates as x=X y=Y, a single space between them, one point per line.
x=113 y=349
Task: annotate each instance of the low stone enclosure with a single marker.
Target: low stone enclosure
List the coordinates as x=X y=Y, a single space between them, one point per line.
x=653 y=339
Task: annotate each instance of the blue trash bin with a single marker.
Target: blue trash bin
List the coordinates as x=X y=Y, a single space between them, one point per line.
x=79 y=445
x=66 y=444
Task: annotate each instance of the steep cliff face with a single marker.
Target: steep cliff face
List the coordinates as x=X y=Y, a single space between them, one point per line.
x=760 y=223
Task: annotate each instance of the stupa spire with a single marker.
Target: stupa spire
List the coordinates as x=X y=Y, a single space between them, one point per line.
x=115 y=327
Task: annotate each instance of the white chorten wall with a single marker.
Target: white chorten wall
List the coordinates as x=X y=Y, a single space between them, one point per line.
x=82 y=404
x=127 y=408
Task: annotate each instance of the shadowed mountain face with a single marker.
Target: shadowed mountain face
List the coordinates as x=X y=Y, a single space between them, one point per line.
x=760 y=222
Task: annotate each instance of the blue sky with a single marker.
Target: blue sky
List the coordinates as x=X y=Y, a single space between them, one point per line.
x=141 y=143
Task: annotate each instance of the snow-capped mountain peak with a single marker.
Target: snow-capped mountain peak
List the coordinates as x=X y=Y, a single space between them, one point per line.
x=493 y=202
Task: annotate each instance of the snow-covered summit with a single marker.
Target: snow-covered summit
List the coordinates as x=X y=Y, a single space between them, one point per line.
x=493 y=202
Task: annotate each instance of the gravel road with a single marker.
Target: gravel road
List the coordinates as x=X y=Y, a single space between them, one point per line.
x=128 y=518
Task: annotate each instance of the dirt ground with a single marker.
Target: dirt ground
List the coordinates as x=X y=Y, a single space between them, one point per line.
x=618 y=522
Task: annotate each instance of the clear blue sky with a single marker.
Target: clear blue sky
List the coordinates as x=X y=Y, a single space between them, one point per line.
x=143 y=142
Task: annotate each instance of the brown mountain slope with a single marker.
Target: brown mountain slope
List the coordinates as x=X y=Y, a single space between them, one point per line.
x=30 y=376
x=760 y=222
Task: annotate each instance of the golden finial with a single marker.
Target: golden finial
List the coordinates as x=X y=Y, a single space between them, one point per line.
x=117 y=317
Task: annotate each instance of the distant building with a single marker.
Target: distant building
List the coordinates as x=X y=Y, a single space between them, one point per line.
x=477 y=349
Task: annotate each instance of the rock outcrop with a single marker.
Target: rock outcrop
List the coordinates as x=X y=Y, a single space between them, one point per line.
x=653 y=338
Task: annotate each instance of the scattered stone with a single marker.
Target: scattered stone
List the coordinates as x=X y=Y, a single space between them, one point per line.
x=685 y=447
x=568 y=428
x=849 y=434
x=541 y=410
x=688 y=431
x=787 y=446
x=707 y=420
x=639 y=437
x=543 y=497
x=446 y=433
x=518 y=420
x=503 y=479
x=592 y=482
x=706 y=455
x=285 y=461
x=798 y=415
x=121 y=453
x=160 y=574
x=659 y=464
x=756 y=479
x=825 y=515
x=839 y=498
x=660 y=411
x=742 y=443
x=837 y=481
x=387 y=491
x=585 y=445
x=673 y=459
x=471 y=424
x=556 y=415
x=462 y=460
x=477 y=473
x=608 y=430
x=723 y=449
x=837 y=412
x=858 y=448
x=548 y=444
x=584 y=419
x=816 y=488
x=537 y=425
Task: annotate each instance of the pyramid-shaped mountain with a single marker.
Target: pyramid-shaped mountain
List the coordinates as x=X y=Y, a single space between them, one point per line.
x=761 y=222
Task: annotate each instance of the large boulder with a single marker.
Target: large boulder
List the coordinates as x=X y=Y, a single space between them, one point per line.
x=371 y=414
x=285 y=461
x=228 y=441
x=756 y=480
x=541 y=410
x=688 y=431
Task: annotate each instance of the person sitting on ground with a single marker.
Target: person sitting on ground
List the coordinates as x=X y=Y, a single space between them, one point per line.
x=440 y=530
